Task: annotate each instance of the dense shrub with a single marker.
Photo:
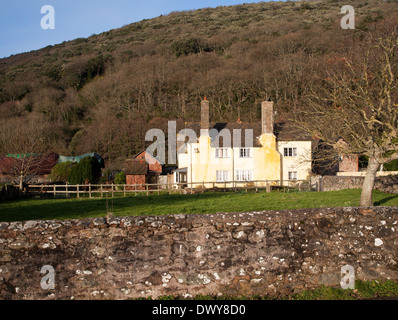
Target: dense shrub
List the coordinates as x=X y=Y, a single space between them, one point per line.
x=61 y=172
x=84 y=70
x=391 y=166
x=190 y=45
x=87 y=170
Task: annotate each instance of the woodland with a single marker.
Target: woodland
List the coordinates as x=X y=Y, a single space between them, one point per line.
x=103 y=93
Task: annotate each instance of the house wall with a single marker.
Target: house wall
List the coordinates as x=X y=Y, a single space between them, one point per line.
x=136 y=179
x=349 y=164
x=300 y=163
x=153 y=164
x=265 y=162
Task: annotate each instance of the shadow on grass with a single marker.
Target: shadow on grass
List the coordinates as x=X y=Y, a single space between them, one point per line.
x=385 y=200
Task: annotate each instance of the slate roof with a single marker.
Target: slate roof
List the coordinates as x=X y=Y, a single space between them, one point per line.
x=282 y=130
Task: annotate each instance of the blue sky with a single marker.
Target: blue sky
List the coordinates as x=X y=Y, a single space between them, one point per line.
x=20 y=20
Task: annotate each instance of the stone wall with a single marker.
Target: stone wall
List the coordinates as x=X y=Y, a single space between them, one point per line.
x=387 y=184
x=254 y=253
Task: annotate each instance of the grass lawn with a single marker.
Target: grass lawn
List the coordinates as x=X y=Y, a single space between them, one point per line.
x=364 y=290
x=61 y=209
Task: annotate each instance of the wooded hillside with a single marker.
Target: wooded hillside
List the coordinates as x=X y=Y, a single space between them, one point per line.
x=102 y=94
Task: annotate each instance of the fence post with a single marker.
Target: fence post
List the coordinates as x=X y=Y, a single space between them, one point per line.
x=147 y=189
x=113 y=195
x=102 y=191
x=78 y=194
x=89 y=190
x=158 y=186
x=54 y=190
x=124 y=190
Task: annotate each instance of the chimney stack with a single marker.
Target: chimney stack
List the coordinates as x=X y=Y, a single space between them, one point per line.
x=204 y=115
x=267 y=117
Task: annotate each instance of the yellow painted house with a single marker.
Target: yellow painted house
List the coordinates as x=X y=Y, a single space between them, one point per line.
x=233 y=154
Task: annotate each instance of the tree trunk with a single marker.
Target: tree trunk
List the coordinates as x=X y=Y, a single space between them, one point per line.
x=21 y=182
x=369 y=182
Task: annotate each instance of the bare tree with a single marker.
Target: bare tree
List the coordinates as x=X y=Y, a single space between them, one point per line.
x=25 y=142
x=356 y=101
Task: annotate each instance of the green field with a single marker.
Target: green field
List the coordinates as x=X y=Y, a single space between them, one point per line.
x=364 y=290
x=62 y=209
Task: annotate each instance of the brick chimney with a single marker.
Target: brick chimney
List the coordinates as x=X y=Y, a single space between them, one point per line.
x=204 y=115
x=267 y=117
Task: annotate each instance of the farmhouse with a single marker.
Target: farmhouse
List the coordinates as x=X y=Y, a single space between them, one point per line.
x=234 y=153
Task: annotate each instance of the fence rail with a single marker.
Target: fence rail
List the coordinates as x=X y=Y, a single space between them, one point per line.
x=106 y=190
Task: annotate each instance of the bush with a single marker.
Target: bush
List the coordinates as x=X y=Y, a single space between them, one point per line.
x=61 y=172
x=106 y=176
x=87 y=170
x=190 y=45
x=120 y=178
x=391 y=166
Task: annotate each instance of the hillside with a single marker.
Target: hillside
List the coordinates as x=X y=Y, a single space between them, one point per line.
x=102 y=94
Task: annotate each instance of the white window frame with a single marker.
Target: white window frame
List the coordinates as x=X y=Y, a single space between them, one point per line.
x=290 y=152
x=222 y=153
x=292 y=175
x=244 y=175
x=245 y=153
x=222 y=175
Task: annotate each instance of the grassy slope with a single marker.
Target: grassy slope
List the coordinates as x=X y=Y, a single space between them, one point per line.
x=61 y=209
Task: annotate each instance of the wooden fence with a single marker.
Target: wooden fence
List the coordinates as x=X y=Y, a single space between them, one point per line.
x=112 y=190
